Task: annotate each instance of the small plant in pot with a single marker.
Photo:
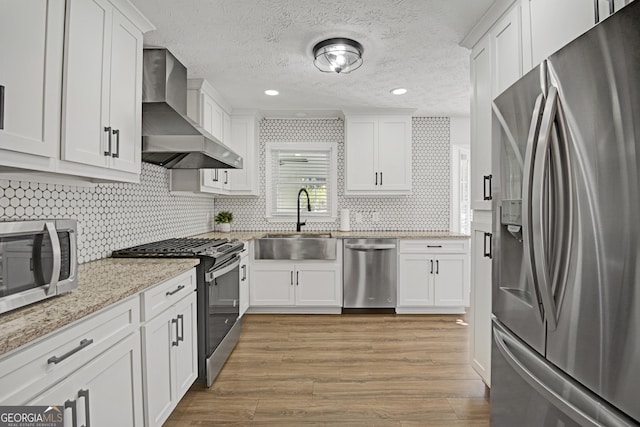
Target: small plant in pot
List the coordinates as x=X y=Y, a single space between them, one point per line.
x=224 y=219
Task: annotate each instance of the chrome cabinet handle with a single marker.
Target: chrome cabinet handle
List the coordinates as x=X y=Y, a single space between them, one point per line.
x=487 y=253
x=486 y=178
x=85 y=395
x=176 y=290
x=175 y=343
x=181 y=319
x=74 y=413
x=226 y=177
x=116 y=153
x=108 y=130
x=1 y=107
x=244 y=273
x=55 y=359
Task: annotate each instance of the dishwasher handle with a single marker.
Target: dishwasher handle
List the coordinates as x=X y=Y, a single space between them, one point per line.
x=370 y=247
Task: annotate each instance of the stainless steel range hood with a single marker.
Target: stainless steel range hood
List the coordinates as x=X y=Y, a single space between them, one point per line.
x=169 y=137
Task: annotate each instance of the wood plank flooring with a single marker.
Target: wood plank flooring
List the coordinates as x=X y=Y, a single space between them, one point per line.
x=346 y=370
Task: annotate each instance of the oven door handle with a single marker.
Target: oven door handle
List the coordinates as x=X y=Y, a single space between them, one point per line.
x=221 y=272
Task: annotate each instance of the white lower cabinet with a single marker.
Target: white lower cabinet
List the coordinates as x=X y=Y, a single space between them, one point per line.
x=170 y=364
x=480 y=312
x=105 y=392
x=244 y=279
x=286 y=284
x=433 y=276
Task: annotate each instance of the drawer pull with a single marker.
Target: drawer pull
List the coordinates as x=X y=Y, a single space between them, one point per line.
x=175 y=291
x=434 y=246
x=55 y=359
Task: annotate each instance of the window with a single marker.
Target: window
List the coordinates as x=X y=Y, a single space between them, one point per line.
x=291 y=167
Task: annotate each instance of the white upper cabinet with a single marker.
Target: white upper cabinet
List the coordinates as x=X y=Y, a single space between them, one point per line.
x=31 y=48
x=506 y=38
x=73 y=91
x=103 y=87
x=555 y=23
x=244 y=141
x=378 y=155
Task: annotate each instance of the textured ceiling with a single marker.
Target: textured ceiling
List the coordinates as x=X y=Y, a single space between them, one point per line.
x=243 y=47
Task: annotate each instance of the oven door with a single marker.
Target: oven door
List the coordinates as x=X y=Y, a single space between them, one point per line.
x=223 y=308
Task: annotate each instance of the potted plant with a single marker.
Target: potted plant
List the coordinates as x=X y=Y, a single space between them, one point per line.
x=224 y=219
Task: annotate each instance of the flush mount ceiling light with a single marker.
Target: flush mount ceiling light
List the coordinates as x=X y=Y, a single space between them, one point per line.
x=338 y=55
x=398 y=91
x=271 y=92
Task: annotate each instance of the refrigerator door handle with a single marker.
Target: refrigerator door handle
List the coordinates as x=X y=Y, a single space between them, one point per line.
x=528 y=168
x=563 y=393
x=537 y=208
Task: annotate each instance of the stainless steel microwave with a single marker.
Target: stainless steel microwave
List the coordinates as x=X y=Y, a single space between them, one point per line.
x=38 y=260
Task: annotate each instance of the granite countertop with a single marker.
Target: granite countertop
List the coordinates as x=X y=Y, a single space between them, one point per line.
x=250 y=235
x=100 y=283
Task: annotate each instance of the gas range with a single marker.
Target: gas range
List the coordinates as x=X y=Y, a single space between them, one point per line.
x=218 y=277
x=183 y=248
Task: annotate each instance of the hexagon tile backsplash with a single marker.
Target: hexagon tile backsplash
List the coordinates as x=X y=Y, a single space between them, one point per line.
x=427 y=209
x=111 y=216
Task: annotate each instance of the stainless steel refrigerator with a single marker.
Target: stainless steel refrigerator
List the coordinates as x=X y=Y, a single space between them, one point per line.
x=566 y=235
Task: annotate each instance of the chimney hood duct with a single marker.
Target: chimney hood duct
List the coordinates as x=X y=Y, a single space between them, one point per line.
x=169 y=137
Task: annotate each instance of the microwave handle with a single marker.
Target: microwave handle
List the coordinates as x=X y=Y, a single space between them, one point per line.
x=57 y=257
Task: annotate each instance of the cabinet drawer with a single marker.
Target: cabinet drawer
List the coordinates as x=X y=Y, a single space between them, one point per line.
x=434 y=246
x=158 y=298
x=31 y=369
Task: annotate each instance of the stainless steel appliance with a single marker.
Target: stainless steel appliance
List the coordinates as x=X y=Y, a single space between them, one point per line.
x=566 y=288
x=218 y=279
x=370 y=276
x=169 y=137
x=38 y=260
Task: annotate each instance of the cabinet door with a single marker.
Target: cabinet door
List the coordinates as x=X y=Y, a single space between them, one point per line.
x=480 y=302
x=394 y=154
x=507 y=51
x=244 y=141
x=211 y=179
x=481 y=123
x=450 y=277
x=126 y=94
x=415 y=288
x=555 y=23
x=108 y=386
x=85 y=128
x=244 y=285
x=272 y=285
x=159 y=337
x=318 y=285
x=360 y=149
x=186 y=353
x=31 y=48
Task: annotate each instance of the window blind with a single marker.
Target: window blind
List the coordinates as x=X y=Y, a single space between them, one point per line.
x=293 y=170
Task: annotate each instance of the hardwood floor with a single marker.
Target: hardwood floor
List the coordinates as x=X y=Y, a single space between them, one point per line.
x=346 y=370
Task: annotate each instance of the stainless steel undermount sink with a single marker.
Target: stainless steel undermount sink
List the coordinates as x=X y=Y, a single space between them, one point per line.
x=296 y=247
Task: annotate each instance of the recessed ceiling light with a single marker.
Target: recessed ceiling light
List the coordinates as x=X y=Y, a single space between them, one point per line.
x=399 y=91
x=271 y=92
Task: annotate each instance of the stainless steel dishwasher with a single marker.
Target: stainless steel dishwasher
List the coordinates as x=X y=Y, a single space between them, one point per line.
x=370 y=273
